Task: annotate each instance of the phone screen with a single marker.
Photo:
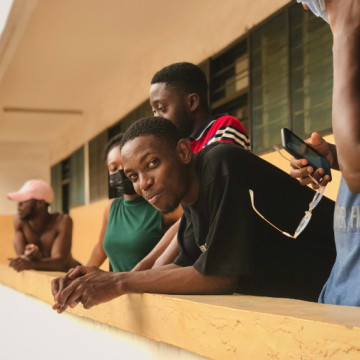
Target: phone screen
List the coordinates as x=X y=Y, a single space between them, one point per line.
x=300 y=150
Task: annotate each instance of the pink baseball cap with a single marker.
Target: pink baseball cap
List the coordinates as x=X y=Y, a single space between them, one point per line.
x=33 y=189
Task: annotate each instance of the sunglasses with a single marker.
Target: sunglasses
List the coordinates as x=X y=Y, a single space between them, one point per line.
x=305 y=220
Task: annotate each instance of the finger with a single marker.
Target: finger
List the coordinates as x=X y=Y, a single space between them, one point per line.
x=55 y=306
x=302 y=173
x=78 y=271
x=299 y=163
x=318 y=174
x=63 y=282
x=325 y=180
x=306 y=181
x=88 y=303
x=55 y=287
x=87 y=300
x=66 y=296
x=74 y=303
x=15 y=263
x=72 y=300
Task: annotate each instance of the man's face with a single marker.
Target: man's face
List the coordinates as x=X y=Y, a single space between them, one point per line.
x=157 y=171
x=27 y=209
x=170 y=103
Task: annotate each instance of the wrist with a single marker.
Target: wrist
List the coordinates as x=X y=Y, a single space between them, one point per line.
x=121 y=283
x=346 y=37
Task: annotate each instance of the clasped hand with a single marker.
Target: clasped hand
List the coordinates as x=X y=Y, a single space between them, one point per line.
x=25 y=261
x=86 y=284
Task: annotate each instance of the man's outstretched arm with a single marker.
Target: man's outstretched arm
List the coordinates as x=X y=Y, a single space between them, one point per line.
x=98 y=286
x=344 y=19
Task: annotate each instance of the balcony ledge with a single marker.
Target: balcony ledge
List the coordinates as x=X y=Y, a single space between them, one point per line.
x=219 y=327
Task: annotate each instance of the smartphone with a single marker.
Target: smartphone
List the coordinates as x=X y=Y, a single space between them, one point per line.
x=300 y=150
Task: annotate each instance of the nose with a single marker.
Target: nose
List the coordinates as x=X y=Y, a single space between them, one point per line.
x=145 y=182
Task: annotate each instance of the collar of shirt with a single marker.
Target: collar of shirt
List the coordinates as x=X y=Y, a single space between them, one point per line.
x=204 y=126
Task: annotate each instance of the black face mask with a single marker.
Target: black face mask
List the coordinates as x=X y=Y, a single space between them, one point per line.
x=121 y=183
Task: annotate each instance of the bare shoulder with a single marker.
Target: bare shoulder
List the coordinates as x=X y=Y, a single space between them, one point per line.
x=62 y=220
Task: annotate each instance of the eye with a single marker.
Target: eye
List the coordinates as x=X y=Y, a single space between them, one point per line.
x=162 y=109
x=152 y=163
x=112 y=170
x=133 y=177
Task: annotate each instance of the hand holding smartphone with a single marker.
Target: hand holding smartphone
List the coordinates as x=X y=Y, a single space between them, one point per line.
x=300 y=150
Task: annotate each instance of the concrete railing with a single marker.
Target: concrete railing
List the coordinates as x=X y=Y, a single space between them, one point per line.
x=220 y=327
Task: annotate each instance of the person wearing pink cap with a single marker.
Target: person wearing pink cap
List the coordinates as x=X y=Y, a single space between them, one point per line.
x=42 y=240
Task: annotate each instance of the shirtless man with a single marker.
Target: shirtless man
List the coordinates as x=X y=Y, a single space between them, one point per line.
x=42 y=240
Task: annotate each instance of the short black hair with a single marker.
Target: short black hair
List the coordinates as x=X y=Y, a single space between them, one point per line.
x=162 y=128
x=113 y=142
x=185 y=76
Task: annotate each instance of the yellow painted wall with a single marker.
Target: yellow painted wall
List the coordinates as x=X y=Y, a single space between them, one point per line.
x=87 y=221
x=6 y=237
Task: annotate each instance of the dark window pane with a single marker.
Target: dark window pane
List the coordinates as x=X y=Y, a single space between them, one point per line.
x=77 y=193
x=229 y=75
x=311 y=73
x=97 y=169
x=270 y=85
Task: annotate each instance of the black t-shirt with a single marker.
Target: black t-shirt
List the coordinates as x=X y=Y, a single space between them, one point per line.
x=222 y=235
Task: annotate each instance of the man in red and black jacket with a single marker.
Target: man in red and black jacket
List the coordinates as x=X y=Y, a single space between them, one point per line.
x=179 y=92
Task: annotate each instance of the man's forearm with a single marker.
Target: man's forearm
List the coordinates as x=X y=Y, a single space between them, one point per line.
x=50 y=264
x=174 y=279
x=169 y=255
x=97 y=286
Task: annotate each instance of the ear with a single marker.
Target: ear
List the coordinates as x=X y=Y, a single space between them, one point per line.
x=193 y=101
x=184 y=151
x=41 y=204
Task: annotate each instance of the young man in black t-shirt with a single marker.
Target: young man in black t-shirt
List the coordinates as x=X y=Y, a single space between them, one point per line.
x=227 y=245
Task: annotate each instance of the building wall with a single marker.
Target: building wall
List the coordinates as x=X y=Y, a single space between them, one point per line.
x=210 y=27
x=87 y=225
